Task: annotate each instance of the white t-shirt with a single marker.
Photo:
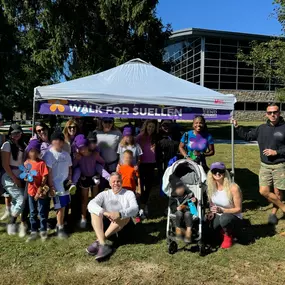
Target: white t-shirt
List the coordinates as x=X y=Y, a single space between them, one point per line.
x=6 y=147
x=108 y=145
x=136 y=149
x=124 y=202
x=59 y=162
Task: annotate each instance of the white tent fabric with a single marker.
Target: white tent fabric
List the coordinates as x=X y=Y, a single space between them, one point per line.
x=137 y=82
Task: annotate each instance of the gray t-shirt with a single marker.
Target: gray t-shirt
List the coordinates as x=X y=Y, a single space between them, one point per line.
x=136 y=149
x=108 y=145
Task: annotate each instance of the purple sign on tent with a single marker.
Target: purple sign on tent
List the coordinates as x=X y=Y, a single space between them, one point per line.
x=78 y=108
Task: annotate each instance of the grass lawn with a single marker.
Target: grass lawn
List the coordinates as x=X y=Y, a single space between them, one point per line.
x=148 y=262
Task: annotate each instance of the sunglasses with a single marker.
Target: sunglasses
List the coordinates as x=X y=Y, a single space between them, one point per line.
x=40 y=130
x=72 y=127
x=108 y=122
x=272 y=113
x=215 y=171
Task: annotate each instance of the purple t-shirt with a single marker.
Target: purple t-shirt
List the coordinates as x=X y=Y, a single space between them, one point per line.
x=148 y=155
x=87 y=165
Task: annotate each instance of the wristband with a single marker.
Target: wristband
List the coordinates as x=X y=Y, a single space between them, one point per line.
x=120 y=215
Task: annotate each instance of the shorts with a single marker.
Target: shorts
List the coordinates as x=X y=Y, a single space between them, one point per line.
x=272 y=175
x=61 y=201
x=86 y=182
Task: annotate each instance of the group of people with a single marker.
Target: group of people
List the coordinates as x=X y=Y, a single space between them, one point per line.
x=88 y=161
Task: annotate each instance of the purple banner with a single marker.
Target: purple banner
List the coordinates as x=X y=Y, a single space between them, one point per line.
x=78 y=108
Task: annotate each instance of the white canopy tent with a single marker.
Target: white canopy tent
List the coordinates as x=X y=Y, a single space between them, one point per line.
x=136 y=82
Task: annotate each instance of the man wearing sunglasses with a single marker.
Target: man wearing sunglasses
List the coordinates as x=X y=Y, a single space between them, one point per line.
x=271 y=141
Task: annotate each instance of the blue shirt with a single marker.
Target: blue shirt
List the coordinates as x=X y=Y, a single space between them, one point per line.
x=199 y=142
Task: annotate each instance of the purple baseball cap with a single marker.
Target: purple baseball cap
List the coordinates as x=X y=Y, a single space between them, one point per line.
x=34 y=144
x=127 y=131
x=80 y=141
x=218 y=165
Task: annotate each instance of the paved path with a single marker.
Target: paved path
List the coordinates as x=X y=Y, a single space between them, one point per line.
x=236 y=142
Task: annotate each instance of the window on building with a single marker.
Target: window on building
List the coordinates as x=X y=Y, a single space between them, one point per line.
x=211 y=70
x=228 y=85
x=213 y=40
x=229 y=42
x=213 y=55
x=212 y=48
x=211 y=85
x=250 y=106
x=245 y=86
x=229 y=49
x=212 y=77
x=228 y=63
x=229 y=71
x=244 y=71
x=212 y=62
x=239 y=106
x=261 y=106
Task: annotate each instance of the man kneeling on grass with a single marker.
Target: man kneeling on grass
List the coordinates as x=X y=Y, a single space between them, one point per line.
x=116 y=207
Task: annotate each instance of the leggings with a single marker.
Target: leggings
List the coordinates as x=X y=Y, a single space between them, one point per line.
x=228 y=222
x=146 y=176
x=185 y=217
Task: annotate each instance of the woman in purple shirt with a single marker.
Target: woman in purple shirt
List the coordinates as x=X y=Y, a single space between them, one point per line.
x=147 y=140
x=41 y=133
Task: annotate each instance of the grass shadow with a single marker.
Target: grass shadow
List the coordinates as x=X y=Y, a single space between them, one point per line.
x=248 y=182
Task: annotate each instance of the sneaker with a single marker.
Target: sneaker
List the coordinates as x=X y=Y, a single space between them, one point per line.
x=61 y=234
x=272 y=219
x=96 y=179
x=72 y=189
x=44 y=236
x=227 y=242
x=11 y=229
x=103 y=251
x=33 y=236
x=22 y=230
x=142 y=214
x=178 y=234
x=83 y=224
x=6 y=215
x=93 y=248
x=187 y=237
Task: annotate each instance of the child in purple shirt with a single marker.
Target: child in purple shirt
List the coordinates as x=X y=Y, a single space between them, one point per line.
x=90 y=164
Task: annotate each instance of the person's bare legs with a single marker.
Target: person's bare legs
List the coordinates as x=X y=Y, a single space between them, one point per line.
x=60 y=217
x=95 y=191
x=98 y=226
x=271 y=197
x=279 y=195
x=116 y=227
x=84 y=202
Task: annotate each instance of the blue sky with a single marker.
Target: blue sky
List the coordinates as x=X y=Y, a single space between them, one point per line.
x=249 y=16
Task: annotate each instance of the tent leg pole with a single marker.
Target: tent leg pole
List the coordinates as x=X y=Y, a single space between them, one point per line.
x=233 y=149
x=34 y=114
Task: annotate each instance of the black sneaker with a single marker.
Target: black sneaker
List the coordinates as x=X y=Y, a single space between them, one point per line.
x=272 y=219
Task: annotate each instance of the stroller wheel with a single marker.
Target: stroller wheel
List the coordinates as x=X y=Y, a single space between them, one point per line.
x=173 y=247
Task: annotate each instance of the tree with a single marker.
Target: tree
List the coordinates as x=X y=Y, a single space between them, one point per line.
x=74 y=38
x=268 y=57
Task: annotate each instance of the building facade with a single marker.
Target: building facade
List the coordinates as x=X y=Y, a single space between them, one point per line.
x=209 y=58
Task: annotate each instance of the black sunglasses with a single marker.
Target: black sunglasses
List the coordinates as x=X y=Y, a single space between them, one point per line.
x=272 y=113
x=72 y=127
x=40 y=130
x=215 y=171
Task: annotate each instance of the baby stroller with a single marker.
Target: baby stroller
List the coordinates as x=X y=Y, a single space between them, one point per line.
x=194 y=178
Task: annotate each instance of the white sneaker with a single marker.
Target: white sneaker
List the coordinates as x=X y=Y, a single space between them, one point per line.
x=33 y=236
x=96 y=179
x=22 y=230
x=83 y=224
x=11 y=229
x=6 y=215
x=44 y=236
x=72 y=189
x=142 y=214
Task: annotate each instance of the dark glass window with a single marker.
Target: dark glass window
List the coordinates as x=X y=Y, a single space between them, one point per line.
x=211 y=85
x=230 y=71
x=213 y=55
x=245 y=79
x=228 y=56
x=212 y=77
x=211 y=62
x=261 y=106
x=227 y=85
x=250 y=106
x=229 y=49
x=228 y=78
x=245 y=86
x=229 y=42
x=213 y=41
x=211 y=70
x=228 y=63
x=247 y=72
x=240 y=106
x=215 y=48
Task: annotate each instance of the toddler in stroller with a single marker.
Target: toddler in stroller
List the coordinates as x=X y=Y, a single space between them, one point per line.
x=178 y=203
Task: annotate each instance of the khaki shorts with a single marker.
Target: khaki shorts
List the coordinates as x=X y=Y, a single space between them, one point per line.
x=272 y=175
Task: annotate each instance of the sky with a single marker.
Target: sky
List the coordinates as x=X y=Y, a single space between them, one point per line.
x=248 y=16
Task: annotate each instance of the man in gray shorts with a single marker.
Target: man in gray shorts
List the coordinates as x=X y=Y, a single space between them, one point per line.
x=271 y=142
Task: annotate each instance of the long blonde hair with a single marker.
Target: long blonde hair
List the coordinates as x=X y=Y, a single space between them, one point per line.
x=70 y=122
x=144 y=133
x=212 y=187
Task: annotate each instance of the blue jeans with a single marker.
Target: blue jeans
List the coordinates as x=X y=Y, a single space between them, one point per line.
x=40 y=208
x=15 y=192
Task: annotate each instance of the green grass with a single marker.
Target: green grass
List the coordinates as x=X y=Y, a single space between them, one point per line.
x=148 y=262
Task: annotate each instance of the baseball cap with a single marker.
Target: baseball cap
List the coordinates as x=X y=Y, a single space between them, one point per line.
x=127 y=131
x=34 y=144
x=15 y=128
x=92 y=137
x=107 y=119
x=218 y=165
x=80 y=141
